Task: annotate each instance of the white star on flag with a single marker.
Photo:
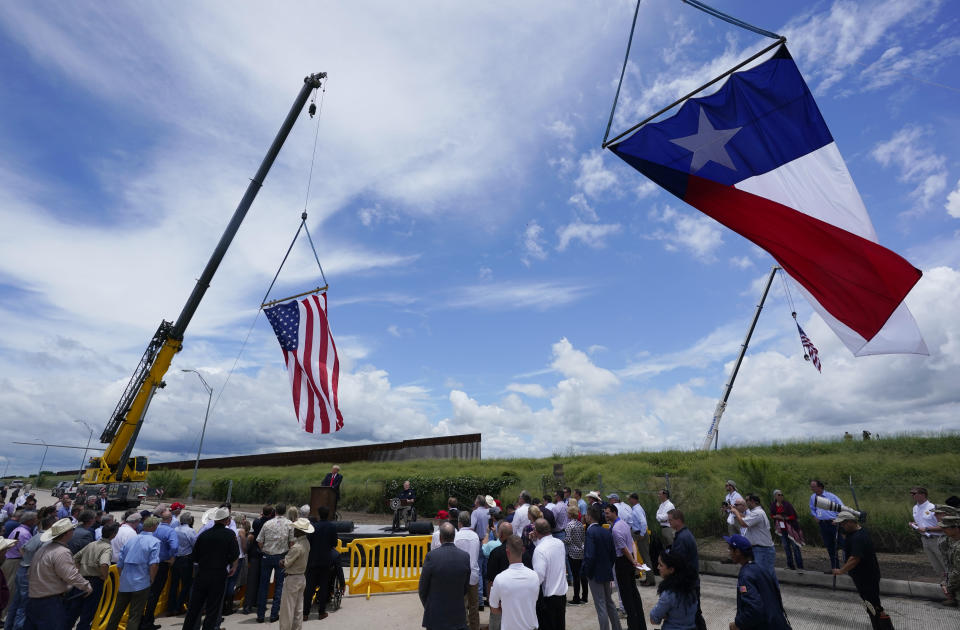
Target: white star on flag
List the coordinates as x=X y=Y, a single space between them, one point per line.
x=707 y=144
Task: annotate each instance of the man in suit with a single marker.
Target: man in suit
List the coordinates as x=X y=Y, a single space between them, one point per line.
x=102 y=500
x=599 y=556
x=333 y=479
x=444 y=581
x=323 y=543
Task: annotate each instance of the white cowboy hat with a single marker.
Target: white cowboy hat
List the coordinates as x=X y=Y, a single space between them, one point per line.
x=490 y=501
x=303 y=525
x=6 y=543
x=60 y=527
x=209 y=515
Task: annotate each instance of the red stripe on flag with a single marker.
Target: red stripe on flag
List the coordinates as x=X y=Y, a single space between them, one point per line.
x=321 y=381
x=335 y=380
x=294 y=371
x=307 y=362
x=858 y=281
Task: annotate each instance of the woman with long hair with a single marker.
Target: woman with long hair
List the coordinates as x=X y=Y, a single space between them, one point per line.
x=677 y=606
x=786 y=525
x=574 y=541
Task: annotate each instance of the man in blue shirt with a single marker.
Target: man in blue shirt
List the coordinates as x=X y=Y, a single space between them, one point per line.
x=169 y=545
x=625 y=566
x=598 y=560
x=138 y=562
x=181 y=572
x=638 y=526
x=832 y=538
x=759 y=605
x=64 y=510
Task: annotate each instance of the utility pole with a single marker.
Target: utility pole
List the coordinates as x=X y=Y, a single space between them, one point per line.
x=203 y=431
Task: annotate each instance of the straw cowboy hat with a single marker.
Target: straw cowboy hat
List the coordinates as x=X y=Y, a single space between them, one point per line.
x=491 y=502
x=303 y=525
x=62 y=526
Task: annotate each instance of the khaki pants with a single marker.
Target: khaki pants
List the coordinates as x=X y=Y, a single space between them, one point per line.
x=10 y=566
x=931 y=547
x=291 y=602
x=643 y=548
x=472 y=605
x=136 y=601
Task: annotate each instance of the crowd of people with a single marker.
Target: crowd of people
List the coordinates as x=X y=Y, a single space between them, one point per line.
x=521 y=559
x=57 y=558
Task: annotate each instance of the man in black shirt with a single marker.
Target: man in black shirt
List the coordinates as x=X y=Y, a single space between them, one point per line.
x=863 y=568
x=323 y=544
x=253 y=560
x=497 y=563
x=216 y=553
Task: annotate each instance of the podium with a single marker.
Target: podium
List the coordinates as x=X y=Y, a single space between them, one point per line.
x=323 y=495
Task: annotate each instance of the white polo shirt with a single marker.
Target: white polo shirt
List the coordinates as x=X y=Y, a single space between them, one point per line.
x=923 y=516
x=515 y=591
x=521 y=519
x=467 y=540
x=550 y=565
x=665 y=507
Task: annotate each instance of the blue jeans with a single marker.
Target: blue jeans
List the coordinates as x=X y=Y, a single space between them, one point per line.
x=84 y=607
x=831 y=540
x=270 y=564
x=765 y=557
x=792 y=551
x=45 y=613
x=17 y=609
x=482 y=561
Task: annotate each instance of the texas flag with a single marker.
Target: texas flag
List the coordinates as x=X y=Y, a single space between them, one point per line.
x=756 y=155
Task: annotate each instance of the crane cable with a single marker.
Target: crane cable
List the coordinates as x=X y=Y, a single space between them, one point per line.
x=303 y=225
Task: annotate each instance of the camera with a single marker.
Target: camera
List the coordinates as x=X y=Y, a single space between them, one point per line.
x=826 y=504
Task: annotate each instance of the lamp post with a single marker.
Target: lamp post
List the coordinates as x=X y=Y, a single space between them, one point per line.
x=46 y=447
x=84 y=460
x=203 y=431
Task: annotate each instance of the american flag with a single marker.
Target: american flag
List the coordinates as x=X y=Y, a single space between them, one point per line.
x=810 y=350
x=312 y=363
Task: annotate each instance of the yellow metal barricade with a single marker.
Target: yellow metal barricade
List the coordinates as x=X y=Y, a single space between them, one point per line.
x=108 y=600
x=386 y=565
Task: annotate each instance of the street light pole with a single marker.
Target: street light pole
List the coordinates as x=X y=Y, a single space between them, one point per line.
x=84 y=460
x=46 y=447
x=203 y=431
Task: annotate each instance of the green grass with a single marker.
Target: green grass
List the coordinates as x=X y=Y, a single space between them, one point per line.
x=882 y=472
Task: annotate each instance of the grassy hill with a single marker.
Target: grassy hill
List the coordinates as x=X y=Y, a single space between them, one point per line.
x=882 y=472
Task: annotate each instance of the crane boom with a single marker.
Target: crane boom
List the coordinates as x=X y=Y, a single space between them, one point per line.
x=115 y=468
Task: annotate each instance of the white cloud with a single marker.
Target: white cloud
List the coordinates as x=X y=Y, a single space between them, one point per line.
x=917 y=161
x=953 y=202
x=590 y=234
x=562 y=130
x=518 y=295
x=698 y=234
x=528 y=389
x=594 y=178
x=532 y=243
x=584 y=210
x=741 y=262
x=894 y=65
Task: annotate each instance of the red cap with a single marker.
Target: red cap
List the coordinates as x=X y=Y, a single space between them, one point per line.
x=443 y=514
x=177 y=506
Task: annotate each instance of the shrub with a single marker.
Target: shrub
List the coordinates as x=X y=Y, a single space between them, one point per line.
x=432 y=492
x=172 y=482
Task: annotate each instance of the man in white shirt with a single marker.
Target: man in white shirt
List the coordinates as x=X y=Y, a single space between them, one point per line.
x=521 y=518
x=755 y=526
x=127 y=532
x=665 y=506
x=732 y=495
x=467 y=540
x=550 y=565
x=514 y=592
x=623 y=510
x=925 y=523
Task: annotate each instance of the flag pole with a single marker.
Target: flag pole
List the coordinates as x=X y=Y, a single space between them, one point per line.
x=722 y=405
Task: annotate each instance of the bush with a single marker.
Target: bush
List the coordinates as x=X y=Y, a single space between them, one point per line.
x=172 y=482
x=433 y=492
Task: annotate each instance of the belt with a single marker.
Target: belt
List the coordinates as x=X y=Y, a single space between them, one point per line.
x=60 y=595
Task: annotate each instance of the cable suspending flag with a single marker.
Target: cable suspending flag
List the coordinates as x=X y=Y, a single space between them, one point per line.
x=757 y=156
x=312 y=364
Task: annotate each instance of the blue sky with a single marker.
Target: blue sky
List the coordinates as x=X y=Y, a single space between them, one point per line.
x=491 y=269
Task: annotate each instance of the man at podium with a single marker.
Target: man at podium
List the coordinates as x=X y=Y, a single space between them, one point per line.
x=333 y=479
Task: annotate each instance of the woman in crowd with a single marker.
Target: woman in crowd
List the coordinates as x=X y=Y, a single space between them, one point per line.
x=677 y=607
x=574 y=543
x=534 y=513
x=785 y=524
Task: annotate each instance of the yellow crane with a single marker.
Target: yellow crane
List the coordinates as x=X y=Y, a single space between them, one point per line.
x=122 y=474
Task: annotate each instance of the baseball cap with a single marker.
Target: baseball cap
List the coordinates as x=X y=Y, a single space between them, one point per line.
x=177 y=506
x=443 y=514
x=738 y=542
x=844 y=515
x=614 y=496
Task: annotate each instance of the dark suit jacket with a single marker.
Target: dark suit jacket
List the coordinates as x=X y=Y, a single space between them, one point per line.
x=444 y=580
x=323 y=540
x=598 y=554
x=333 y=481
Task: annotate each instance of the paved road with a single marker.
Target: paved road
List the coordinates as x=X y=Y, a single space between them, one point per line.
x=809 y=609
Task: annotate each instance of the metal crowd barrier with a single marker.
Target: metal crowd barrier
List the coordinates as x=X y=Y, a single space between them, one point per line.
x=109 y=600
x=385 y=565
